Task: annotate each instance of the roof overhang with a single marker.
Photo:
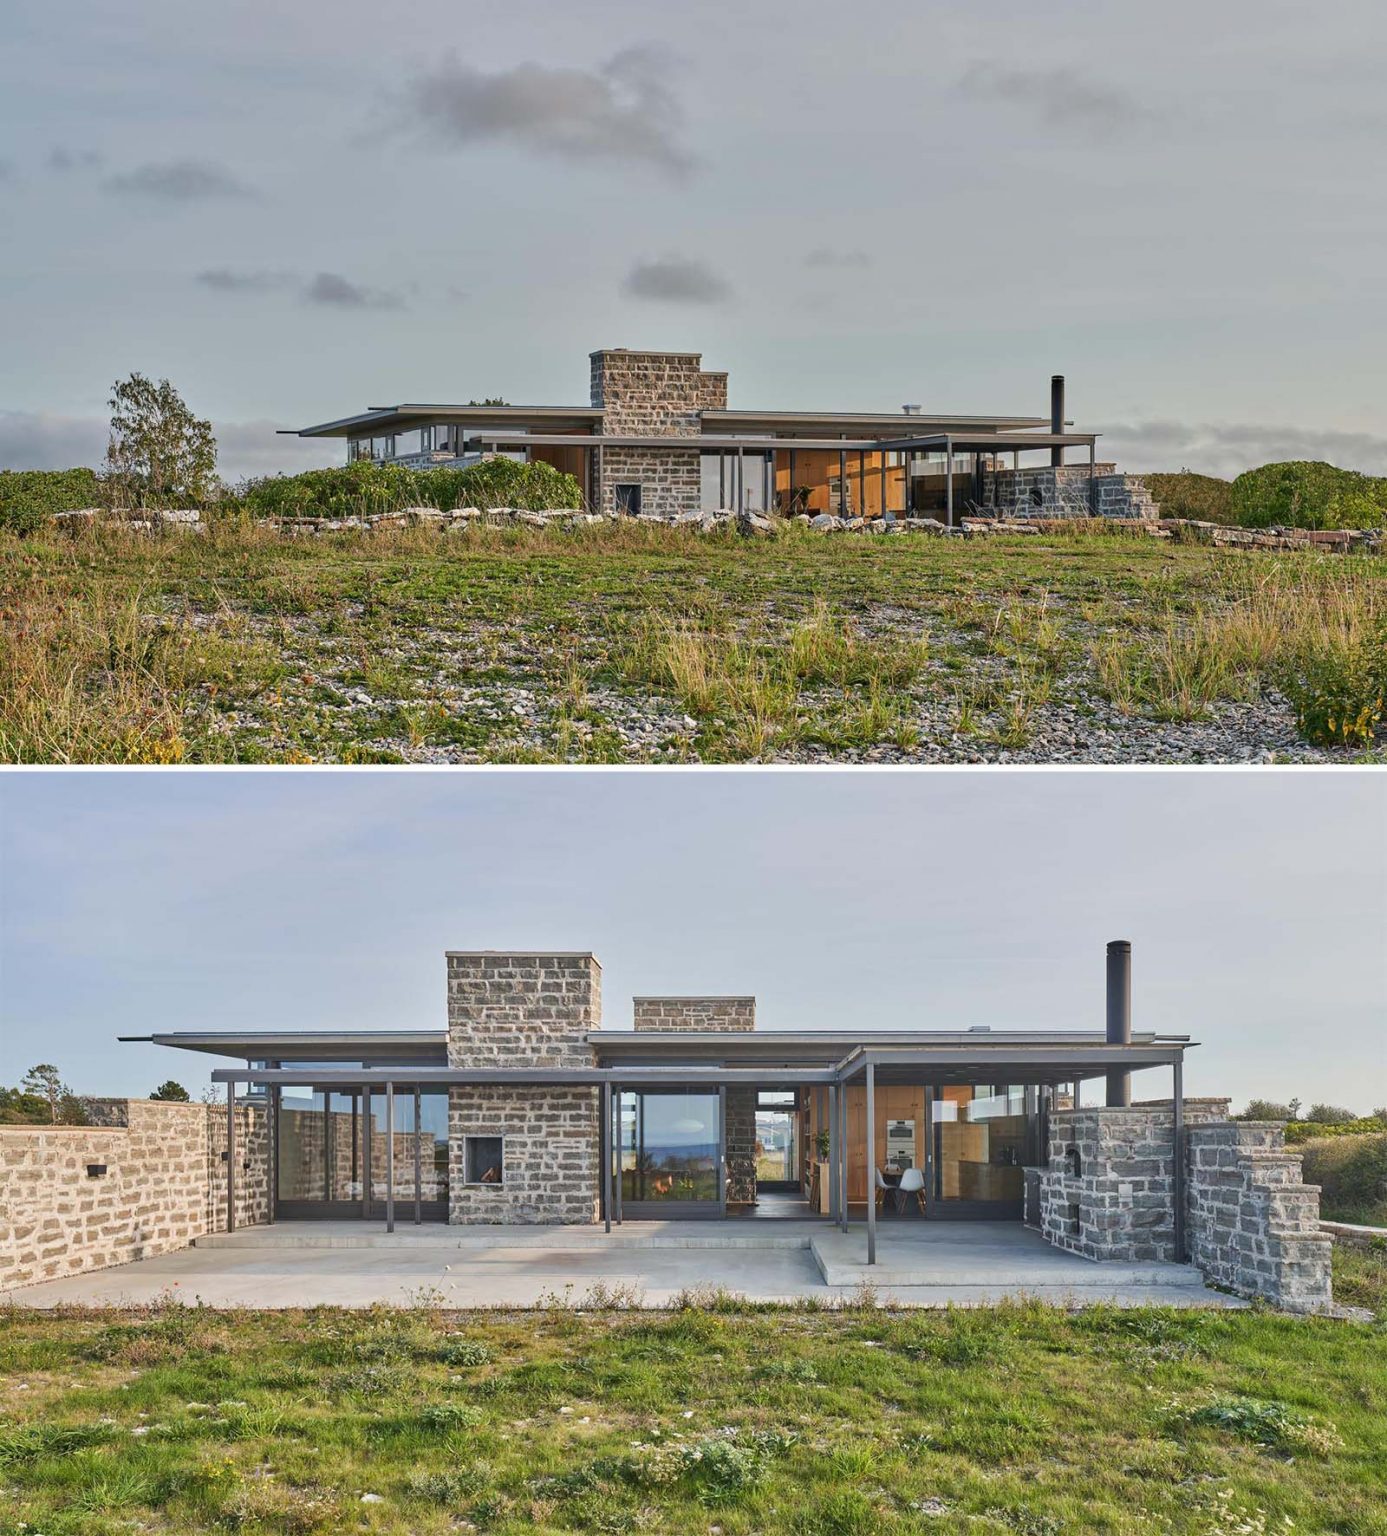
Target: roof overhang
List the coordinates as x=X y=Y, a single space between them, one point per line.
x=829 y=422
x=400 y=418
x=708 y=442
x=392 y=1045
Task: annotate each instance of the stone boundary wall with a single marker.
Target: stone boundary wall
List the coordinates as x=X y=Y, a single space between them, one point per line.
x=1108 y=1192
x=1065 y=491
x=734 y=1015
x=1253 y=1225
x=164 y=1185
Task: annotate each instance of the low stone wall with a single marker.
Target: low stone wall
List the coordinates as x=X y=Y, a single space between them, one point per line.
x=1108 y=1192
x=1253 y=1225
x=144 y=1178
x=1067 y=490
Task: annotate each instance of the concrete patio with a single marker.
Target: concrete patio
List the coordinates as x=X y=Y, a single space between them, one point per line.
x=356 y=1264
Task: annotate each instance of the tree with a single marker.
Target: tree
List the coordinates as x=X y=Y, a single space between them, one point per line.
x=1268 y=1109
x=1330 y=1114
x=159 y=454
x=171 y=1093
x=44 y=1082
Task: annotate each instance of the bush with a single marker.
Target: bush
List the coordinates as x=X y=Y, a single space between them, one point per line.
x=29 y=497
x=1203 y=497
x=1269 y=1109
x=1339 y=689
x=364 y=489
x=1352 y=1174
x=1301 y=494
x=1306 y=1130
x=1330 y=1114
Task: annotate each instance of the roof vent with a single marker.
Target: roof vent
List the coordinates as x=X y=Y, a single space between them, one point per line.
x=979 y=1029
x=911 y=410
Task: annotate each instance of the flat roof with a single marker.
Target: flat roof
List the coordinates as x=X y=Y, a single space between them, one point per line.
x=886 y=419
x=382 y=417
x=960 y=442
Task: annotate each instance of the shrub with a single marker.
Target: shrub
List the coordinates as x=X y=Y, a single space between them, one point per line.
x=1202 y=497
x=1302 y=494
x=1352 y=1174
x=1269 y=1109
x=364 y=489
x=464 y=1352
x=29 y=497
x=1307 y=1130
x=1339 y=689
x=1330 y=1114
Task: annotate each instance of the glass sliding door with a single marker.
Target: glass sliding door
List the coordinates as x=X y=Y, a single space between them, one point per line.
x=333 y=1153
x=777 y=1143
x=671 y=1156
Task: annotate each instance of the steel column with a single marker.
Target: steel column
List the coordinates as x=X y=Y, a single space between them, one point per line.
x=741 y=479
x=949 y=482
x=842 y=482
x=871 y=1164
x=273 y=1169
x=616 y=1177
x=884 y=508
x=390 y=1157
x=231 y=1157
x=790 y=490
x=722 y=480
x=1092 y=455
x=843 y=1150
x=1178 y=1184
x=832 y=1160
x=606 y=1155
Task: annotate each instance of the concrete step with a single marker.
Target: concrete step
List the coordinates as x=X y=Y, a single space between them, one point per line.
x=436 y=1236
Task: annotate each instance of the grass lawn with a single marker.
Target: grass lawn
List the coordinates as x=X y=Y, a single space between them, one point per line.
x=629 y=644
x=710 y=1418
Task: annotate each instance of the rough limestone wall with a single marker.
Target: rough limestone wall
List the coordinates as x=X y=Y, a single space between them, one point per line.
x=741 y=1146
x=1116 y=1202
x=653 y=394
x=525 y=1010
x=1046 y=491
x=1253 y=1226
x=691 y=1014
x=158 y=1193
x=252 y=1166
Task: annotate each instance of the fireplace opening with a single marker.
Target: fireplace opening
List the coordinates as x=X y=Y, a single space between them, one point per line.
x=482 y=1160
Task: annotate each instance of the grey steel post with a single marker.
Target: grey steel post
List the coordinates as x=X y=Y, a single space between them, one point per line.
x=741 y=478
x=1119 y=1018
x=949 y=481
x=790 y=494
x=1092 y=455
x=722 y=479
x=606 y=1155
x=884 y=508
x=231 y=1157
x=273 y=1169
x=871 y=1163
x=390 y=1157
x=1178 y=1184
x=418 y=1169
x=862 y=480
x=765 y=482
x=722 y=1150
x=842 y=482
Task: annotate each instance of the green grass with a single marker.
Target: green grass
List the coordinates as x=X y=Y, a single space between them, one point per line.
x=625 y=643
x=711 y=1417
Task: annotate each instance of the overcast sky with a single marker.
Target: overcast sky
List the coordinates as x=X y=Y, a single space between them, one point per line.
x=296 y=211
x=1255 y=903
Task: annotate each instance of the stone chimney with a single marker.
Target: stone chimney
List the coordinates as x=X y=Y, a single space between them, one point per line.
x=729 y=1015
x=529 y=1009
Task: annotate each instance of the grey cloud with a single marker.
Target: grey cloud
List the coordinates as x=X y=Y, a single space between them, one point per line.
x=675 y=280
x=61 y=158
x=1228 y=448
x=622 y=110
x=825 y=256
x=178 y=181
x=332 y=289
x=1060 y=97
x=47 y=440
x=227 y=280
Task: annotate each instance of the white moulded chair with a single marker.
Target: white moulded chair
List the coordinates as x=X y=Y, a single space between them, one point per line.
x=912 y=1183
x=881 y=1188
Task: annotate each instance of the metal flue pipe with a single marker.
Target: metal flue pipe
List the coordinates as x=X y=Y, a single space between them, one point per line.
x=1119 y=1030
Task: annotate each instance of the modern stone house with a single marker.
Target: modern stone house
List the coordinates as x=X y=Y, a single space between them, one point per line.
x=528 y=1108
x=657 y=438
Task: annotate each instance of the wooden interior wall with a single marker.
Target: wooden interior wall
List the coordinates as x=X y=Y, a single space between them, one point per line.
x=572 y=461
x=817 y=468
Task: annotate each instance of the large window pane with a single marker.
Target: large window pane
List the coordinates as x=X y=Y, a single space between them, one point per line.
x=669 y=1146
x=982 y=1140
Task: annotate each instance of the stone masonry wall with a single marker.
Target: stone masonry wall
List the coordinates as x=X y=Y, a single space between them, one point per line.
x=680 y=1014
x=1108 y=1189
x=1046 y=491
x=741 y=1146
x=164 y=1185
x=653 y=394
x=525 y=1010
x=1253 y=1225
